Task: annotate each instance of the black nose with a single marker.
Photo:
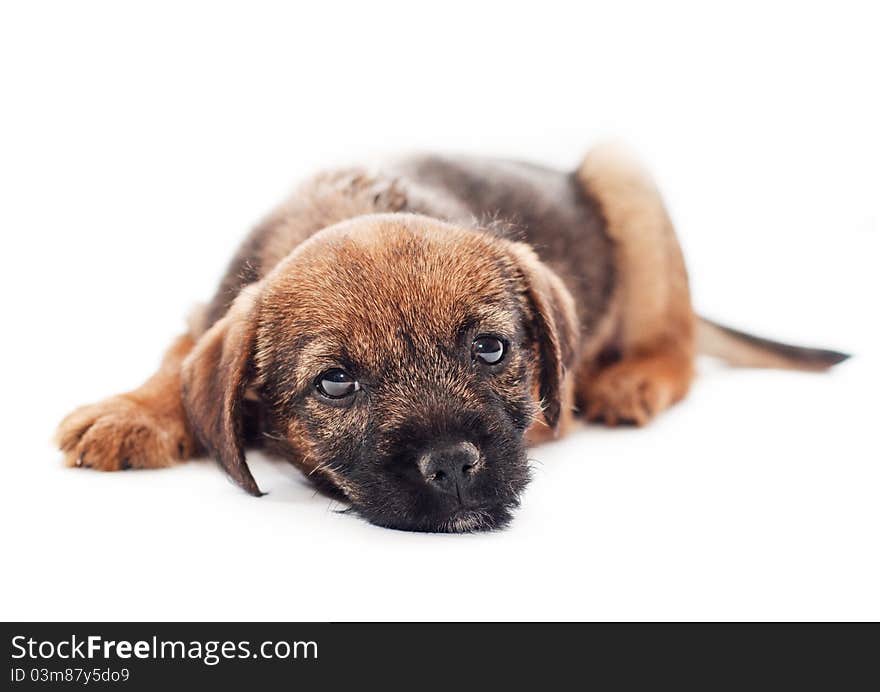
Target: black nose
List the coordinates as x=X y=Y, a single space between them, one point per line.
x=450 y=468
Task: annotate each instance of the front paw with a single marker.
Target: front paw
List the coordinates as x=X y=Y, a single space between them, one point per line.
x=121 y=433
x=627 y=394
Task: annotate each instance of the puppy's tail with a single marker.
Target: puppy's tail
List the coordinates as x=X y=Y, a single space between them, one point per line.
x=747 y=350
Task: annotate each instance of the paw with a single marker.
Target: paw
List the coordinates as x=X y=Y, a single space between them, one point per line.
x=628 y=394
x=120 y=433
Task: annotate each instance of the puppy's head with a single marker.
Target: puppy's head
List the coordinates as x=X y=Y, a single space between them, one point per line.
x=397 y=357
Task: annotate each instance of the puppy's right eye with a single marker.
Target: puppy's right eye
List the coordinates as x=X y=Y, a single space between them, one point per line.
x=336 y=384
x=489 y=349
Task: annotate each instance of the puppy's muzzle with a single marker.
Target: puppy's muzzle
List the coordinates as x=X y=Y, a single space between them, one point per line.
x=450 y=468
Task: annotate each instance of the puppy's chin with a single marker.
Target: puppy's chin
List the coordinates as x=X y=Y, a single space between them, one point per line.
x=459 y=520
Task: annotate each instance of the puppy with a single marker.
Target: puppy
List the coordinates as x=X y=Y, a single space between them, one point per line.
x=402 y=336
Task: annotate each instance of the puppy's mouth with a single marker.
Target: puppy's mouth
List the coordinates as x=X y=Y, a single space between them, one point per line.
x=467 y=520
x=460 y=520
x=409 y=507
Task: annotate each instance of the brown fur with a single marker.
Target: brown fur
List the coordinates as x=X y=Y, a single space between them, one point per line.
x=144 y=428
x=654 y=317
x=411 y=255
x=212 y=383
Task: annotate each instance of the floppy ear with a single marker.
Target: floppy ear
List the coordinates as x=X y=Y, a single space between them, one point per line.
x=553 y=326
x=214 y=377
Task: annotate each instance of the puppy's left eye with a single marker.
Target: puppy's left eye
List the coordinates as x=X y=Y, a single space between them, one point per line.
x=488 y=349
x=336 y=384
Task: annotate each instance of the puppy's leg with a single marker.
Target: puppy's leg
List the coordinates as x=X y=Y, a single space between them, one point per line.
x=638 y=387
x=144 y=428
x=653 y=347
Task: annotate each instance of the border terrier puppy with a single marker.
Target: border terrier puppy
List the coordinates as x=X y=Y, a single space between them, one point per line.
x=402 y=336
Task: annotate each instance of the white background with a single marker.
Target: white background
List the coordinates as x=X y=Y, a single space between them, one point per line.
x=139 y=143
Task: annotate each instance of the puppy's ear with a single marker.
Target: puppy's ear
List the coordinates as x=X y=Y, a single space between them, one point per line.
x=553 y=326
x=214 y=377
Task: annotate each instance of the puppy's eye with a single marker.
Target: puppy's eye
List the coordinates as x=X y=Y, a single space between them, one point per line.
x=336 y=384
x=488 y=349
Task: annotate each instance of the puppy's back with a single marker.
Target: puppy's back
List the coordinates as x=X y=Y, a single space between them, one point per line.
x=546 y=208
